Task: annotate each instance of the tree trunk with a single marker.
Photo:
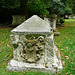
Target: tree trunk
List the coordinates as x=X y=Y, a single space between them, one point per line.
x=24 y=8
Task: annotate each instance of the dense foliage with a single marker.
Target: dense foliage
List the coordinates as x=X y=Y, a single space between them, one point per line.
x=68 y=6
x=37 y=7
x=55 y=6
x=73 y=6
x=31 y=7
x=9 y=4
x=7 y=8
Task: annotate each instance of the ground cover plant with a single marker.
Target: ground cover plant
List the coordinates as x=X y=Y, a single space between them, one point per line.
x=65 y=43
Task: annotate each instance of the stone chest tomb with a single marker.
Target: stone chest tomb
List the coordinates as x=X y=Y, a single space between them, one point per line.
x=34 y=47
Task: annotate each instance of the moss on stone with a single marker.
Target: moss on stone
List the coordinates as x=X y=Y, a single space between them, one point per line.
x=33 y=36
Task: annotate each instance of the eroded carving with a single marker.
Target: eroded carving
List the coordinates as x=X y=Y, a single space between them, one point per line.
x=33 y=49
x=14 y=41
x=26 y=49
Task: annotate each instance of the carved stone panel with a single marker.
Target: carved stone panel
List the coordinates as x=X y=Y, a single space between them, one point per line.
x=14 y=41
x=33 y=49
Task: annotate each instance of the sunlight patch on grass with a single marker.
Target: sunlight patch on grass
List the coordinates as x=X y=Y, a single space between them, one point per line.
x=68 y=20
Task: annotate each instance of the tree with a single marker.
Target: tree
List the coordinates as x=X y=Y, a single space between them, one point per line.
x=9 y=4
x=37 y=7
x=7 y=9
x=73 y=6
x=24 y=7
x=54 y=6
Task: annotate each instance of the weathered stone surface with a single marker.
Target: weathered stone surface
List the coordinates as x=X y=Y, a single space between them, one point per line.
x=20 y=66
x=34 y=49
x=47 y=20
x=32 y=25
x=18 y=19
x=73 y=17
x=57 y=59
x=53 y=23
x=51 y=20
x=56 y=33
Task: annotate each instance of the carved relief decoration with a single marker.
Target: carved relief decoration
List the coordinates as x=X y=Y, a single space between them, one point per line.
x=30 y=50
x=34 y=49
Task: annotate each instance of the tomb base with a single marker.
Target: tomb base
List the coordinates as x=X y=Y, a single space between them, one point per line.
x=15 y=65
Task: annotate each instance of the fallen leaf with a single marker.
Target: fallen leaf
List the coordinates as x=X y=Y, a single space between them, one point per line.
x=66 y=57
x=65 y=37
x=6 y=59
x=69 y=55
x=63 y=63
x=46 y=66
x=58 y=73
x=6 y=56
x=62 y=49
x=1 y=51
x=58 y=46
x=67 y=73
x=62 y=55
x=2 y=42
x=7 y=45
x=71 y=60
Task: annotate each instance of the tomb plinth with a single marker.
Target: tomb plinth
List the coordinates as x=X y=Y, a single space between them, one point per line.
x=51 y=19
x=17 y=19
x=34 y=48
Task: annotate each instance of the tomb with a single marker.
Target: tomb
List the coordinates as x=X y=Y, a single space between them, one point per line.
x=17 y=19
x=34 y=48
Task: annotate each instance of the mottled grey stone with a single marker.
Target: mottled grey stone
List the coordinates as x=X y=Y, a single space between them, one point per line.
x=53 y=23
x=32 y=25
x=56 y=33
x=18 y=19
x=14 y=65
x=37 y=54
x=73 y=17
x=47 y=20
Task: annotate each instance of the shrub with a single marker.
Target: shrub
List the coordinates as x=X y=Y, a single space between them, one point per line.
x=62 y=20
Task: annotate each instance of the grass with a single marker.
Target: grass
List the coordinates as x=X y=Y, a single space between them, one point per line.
x=70 y=20
x=65 y=43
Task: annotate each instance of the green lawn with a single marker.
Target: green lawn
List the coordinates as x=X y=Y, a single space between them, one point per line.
x=72 y=20
x=65 y=43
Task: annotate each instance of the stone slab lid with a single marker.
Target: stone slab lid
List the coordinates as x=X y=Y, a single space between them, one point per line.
x=34 y=25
